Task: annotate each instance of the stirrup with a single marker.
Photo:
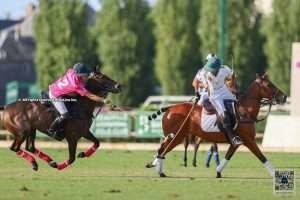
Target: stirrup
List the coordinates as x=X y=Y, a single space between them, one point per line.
x=236 y=140
x=56 y=134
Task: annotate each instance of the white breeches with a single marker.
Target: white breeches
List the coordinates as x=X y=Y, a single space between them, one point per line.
x=59 y=105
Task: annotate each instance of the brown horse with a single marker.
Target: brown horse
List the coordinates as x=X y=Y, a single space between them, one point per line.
x=23 y=118
x=182 y=119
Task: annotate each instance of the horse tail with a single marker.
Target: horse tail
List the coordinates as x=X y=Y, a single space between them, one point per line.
x=1 y=117
x=159 y=112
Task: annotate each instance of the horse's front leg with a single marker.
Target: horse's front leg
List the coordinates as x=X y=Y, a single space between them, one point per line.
x=90 y=151
x=72 y=145
x=252 y=146
x=224 y=162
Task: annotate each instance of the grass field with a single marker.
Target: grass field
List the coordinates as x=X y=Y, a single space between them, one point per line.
x=122 y=175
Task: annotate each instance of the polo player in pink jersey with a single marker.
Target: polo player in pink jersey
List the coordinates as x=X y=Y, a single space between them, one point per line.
x=72 y=82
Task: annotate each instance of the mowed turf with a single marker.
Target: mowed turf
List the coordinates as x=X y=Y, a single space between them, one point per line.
x=122 y=175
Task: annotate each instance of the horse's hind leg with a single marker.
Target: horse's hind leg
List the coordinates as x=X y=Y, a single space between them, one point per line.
x=225 y=160
x=170 y=142
x=16 y=147
x=186 y=144
x=197 y=142
x=30 y=146
x=252 y=146
x=90 y=151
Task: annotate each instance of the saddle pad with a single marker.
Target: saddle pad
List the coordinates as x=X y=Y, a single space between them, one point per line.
x=208 y=123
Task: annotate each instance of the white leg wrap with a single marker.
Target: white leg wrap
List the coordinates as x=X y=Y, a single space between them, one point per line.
x=154 y=162
x=222 y=165
x=270 y=168
x=159 y=165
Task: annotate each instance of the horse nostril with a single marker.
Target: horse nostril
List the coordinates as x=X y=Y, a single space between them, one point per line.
x=118 y=86
x=284 y=98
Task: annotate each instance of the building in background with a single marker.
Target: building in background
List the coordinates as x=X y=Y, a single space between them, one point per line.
x=17 y=48
x=17 y=52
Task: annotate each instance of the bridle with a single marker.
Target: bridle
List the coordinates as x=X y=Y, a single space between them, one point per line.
x=264 y=101
x=267 y=101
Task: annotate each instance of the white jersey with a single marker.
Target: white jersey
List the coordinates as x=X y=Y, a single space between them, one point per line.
x=217 y=84
x=218 y=90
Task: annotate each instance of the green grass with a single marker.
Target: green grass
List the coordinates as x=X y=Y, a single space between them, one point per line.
x=122 y=175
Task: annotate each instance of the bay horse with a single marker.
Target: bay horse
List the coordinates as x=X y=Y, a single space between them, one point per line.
x=179 y=120
x=23 y=118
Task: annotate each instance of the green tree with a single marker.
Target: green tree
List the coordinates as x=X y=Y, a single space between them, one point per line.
x=281 y=29
x=244 y=40
x=177 y=44
x=62 y=38
x=126 y=47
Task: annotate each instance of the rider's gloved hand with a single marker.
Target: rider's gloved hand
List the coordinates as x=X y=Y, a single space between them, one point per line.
x=107 y=101
x=197 y=94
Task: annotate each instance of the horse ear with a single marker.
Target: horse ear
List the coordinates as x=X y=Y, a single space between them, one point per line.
x=257 y=76
x=95 y=69
x=265 y=75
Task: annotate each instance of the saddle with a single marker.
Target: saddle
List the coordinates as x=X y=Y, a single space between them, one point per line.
x=69 y=105
x=209 y=109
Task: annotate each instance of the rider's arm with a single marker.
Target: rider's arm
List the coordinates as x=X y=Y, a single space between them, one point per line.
x=94 y=97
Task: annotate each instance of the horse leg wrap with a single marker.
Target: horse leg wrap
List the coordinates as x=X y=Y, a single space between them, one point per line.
x=222 y=165
x=27 y=156
x=91 y=150
x=63 y=165
x=208 y=157
x=270 y=168
x=159 y=165
x=42 y=156
x=216 y=156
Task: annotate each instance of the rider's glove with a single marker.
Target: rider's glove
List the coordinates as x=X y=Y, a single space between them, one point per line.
x=197 y=94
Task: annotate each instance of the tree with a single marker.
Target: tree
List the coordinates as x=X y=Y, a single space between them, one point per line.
x=62 y=38
x=177 y=44
x=281 y=29
x=126 y=47
x=244 y=40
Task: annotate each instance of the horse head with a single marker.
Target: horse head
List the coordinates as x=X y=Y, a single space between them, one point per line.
x=100 y=84
x=266 y=89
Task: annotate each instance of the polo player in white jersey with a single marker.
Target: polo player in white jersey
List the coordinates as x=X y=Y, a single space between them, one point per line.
x=214 y=77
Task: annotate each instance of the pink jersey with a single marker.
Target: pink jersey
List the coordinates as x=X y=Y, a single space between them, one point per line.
x=68 y=83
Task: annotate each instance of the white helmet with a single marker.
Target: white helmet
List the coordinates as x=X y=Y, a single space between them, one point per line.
x=210 y=55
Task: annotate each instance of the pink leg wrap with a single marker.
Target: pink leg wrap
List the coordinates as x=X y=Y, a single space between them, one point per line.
x=91 y=150
x=63 y=165
x=42 y=156
x=27 y=156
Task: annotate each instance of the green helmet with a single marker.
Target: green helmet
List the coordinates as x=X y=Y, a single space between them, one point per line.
x=213 y=64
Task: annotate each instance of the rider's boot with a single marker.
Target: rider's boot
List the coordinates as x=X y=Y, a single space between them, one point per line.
x=232 y=138
x=56 y=128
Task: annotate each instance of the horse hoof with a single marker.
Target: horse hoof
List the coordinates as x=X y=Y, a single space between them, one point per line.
x=149 y=165
x=35 y=166
x=219 y=175
x=53 y=164
x=207 y=165
x=81 y=155
x=194 y=165
x=162 y=175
